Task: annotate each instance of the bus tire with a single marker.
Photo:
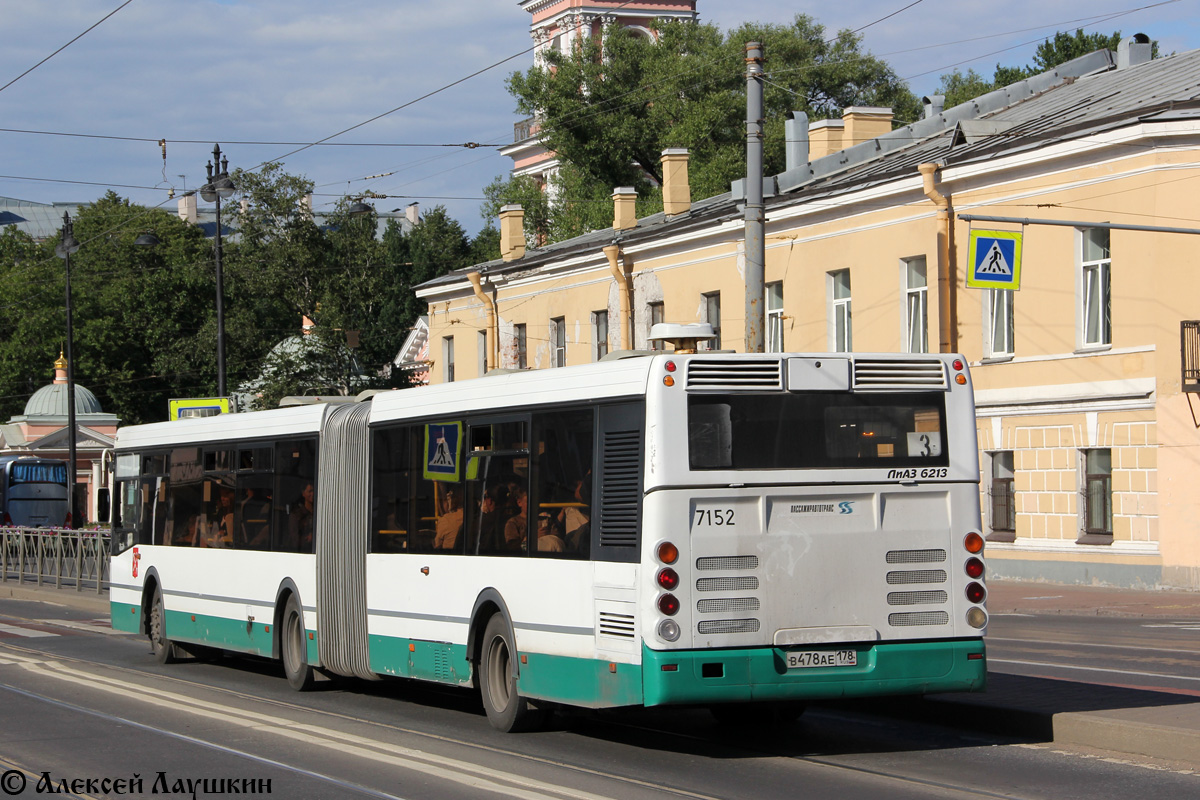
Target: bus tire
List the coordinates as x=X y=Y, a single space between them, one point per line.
x=165 y=651
x=506 y=709
x=293 y=647
x=764 y=714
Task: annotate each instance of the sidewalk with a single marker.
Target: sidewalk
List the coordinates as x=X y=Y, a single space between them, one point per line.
x=1151 y=723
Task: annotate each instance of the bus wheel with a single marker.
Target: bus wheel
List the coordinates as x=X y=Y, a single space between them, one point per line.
x=506 y=709
x=766 y=714
x=164 y=650
x=295 y=648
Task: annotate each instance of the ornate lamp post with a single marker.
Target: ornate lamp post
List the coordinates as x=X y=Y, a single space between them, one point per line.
x=219 y=186
x=68 y=245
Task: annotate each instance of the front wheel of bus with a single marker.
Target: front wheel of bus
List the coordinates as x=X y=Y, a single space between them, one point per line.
x=164 y=650
x=506 y=709
x=294 y=647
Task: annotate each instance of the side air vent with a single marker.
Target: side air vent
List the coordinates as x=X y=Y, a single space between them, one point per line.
x=727 y=604
x=916 y=556
x=725 y=375
x=916 y=598
x=620 y=488
x=728 y=626
x=619 y=626
x=727 y=562
x=908 y=373
x=743 y=584
x=916 y=576
x=904 y=618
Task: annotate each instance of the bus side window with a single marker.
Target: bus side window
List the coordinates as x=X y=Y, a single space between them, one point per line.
x=391 y=487
x=565 y=449
x=294 y=498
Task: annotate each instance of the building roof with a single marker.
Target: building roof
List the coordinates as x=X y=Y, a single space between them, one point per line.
x=1080 y=98
x=39 y=220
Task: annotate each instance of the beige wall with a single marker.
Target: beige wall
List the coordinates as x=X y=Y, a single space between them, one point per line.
x=1045 y=404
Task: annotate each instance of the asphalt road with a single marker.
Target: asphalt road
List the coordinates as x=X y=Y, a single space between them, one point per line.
x=79 y=702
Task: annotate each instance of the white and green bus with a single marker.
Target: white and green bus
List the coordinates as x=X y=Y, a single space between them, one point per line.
x=743 y=532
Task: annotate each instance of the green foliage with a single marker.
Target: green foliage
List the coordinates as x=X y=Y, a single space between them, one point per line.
x=609 y=107
x=959 y=88
x=316 y=364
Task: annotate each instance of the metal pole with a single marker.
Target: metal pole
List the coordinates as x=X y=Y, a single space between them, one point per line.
x=755 y=246
x=70 y=404
x=1112 y=226
x=220 y=310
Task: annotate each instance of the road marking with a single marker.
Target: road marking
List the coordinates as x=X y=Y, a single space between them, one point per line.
x=1095 y=644
x=91 y=626
x=472 y=775
x=27 y=632
x=1093 y=669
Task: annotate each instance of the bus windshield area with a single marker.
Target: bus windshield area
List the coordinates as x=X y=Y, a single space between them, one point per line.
x=816 y=430
x=38 y=473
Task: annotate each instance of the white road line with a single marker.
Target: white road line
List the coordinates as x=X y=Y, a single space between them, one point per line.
x=1096 y=644
x=84 y=626
x=1092 y=669
x=27 y=632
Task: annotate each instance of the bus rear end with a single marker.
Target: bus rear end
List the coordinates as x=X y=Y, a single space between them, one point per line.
x=811 y=529
x=35 y=493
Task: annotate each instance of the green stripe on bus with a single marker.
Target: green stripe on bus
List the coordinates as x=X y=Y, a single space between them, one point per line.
x=126 y=617
x=228 y=634
x=706 y=676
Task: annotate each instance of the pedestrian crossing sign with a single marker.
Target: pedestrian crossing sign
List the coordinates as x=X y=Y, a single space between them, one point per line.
x=443 y=451
x=994 y=260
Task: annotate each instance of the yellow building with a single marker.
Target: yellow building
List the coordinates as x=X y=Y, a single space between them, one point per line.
x=1089 y=435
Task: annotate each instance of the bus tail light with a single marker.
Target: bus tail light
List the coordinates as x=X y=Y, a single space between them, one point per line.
x=976 y=618
x=668 y=630
x=975 y=592
x=973 y=542
x=974 y=568
x=668 y=578
x=667 y=553
x=668 y=604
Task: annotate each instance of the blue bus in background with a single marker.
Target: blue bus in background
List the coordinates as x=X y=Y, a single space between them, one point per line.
x=34 y=492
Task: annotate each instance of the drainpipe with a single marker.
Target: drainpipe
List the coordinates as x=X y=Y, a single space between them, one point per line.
x=945 y=232
x=474 y=278
x=624 y=292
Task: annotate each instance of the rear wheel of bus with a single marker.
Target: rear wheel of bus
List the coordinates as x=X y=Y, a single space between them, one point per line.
x=506 y=709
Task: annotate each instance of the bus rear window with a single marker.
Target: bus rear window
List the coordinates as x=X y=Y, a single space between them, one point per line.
x=38 y=473
x=816 y=430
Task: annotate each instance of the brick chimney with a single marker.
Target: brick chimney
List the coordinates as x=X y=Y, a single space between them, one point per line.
x=187 y=209
x=677 y=193
x=512 y=232
x=825 y=138
x=864 y=123
x=624 y=208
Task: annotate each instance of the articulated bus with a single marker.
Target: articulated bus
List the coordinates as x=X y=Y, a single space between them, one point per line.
x=742 y=532
x=33 y=492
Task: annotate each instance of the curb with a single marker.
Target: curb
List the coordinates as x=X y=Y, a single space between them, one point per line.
x=82 y=601
x=1128 y=736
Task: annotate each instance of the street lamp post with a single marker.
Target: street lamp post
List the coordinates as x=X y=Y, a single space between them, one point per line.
x=68 y=245
x=219 y=186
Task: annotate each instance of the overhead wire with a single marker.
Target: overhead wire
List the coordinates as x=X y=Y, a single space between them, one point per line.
x=65 y=46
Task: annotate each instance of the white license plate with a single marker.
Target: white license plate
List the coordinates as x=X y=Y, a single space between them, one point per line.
x=807 y=659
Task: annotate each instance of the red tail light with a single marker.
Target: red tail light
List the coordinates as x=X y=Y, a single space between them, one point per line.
x=668 y=604
x=974 y=568
x=668 y=578
x=976 y=592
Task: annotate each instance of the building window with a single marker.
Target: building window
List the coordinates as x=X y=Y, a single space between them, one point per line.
x=712 y=315
x=1095 y=289
x=775 y=317
x=999 y=331
x=448 y=359
x=916 y=309
x=558 y=342
x=841 y=338
x=1003 y=505
x=519 y=342
x=599 y=334
x=656 y=316
x=1097 y=493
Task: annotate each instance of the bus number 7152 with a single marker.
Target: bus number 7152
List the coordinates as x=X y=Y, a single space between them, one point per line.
x=713 y=516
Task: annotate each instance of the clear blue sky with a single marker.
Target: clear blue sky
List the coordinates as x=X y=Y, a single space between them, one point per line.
x=233 y=71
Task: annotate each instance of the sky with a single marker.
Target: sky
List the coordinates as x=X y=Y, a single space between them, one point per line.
x=265 y=77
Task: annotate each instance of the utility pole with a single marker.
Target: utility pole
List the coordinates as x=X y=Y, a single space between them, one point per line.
x=755 y=245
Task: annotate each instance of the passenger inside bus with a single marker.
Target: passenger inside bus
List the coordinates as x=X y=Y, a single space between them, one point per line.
x=515 y=528
x=548 y=538
x=300 y=522
x=492 y=520
x=450 y=523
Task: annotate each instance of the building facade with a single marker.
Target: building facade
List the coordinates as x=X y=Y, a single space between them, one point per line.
x=1089 y=428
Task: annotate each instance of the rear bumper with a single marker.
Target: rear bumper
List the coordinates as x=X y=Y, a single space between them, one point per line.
x=884 y=668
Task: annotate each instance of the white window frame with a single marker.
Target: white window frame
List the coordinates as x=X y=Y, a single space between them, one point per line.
x=839 y=310
x=558 y=341
x=520 y=346
x=448 y=359
x=775 y=317
x=1093 y=281
x=481 y=352
x=655 y=313
x=915 y=314
x=599 y=334
x=712 y=315
x=998 y=302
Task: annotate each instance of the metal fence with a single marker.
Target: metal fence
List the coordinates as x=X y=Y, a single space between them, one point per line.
x=55 y=556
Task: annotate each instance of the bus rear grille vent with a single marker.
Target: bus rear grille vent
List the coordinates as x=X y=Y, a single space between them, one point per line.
x=916 y=556
x=620 y=626
x=441 y=663
x=620 y=488
x=923 y=373
x=740 y=584
x=724 y=375
x=728 y=626
x=916 y=598
x=725 y=605
x=903 y=618
x=917 y=576
x=727 y=562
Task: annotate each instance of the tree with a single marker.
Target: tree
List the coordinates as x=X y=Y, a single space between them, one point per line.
x=958 y=87
x=609 y=107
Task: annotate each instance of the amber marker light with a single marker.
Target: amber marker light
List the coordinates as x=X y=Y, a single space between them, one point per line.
x=668 y=553
x=668 y=381
x=973 y=542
